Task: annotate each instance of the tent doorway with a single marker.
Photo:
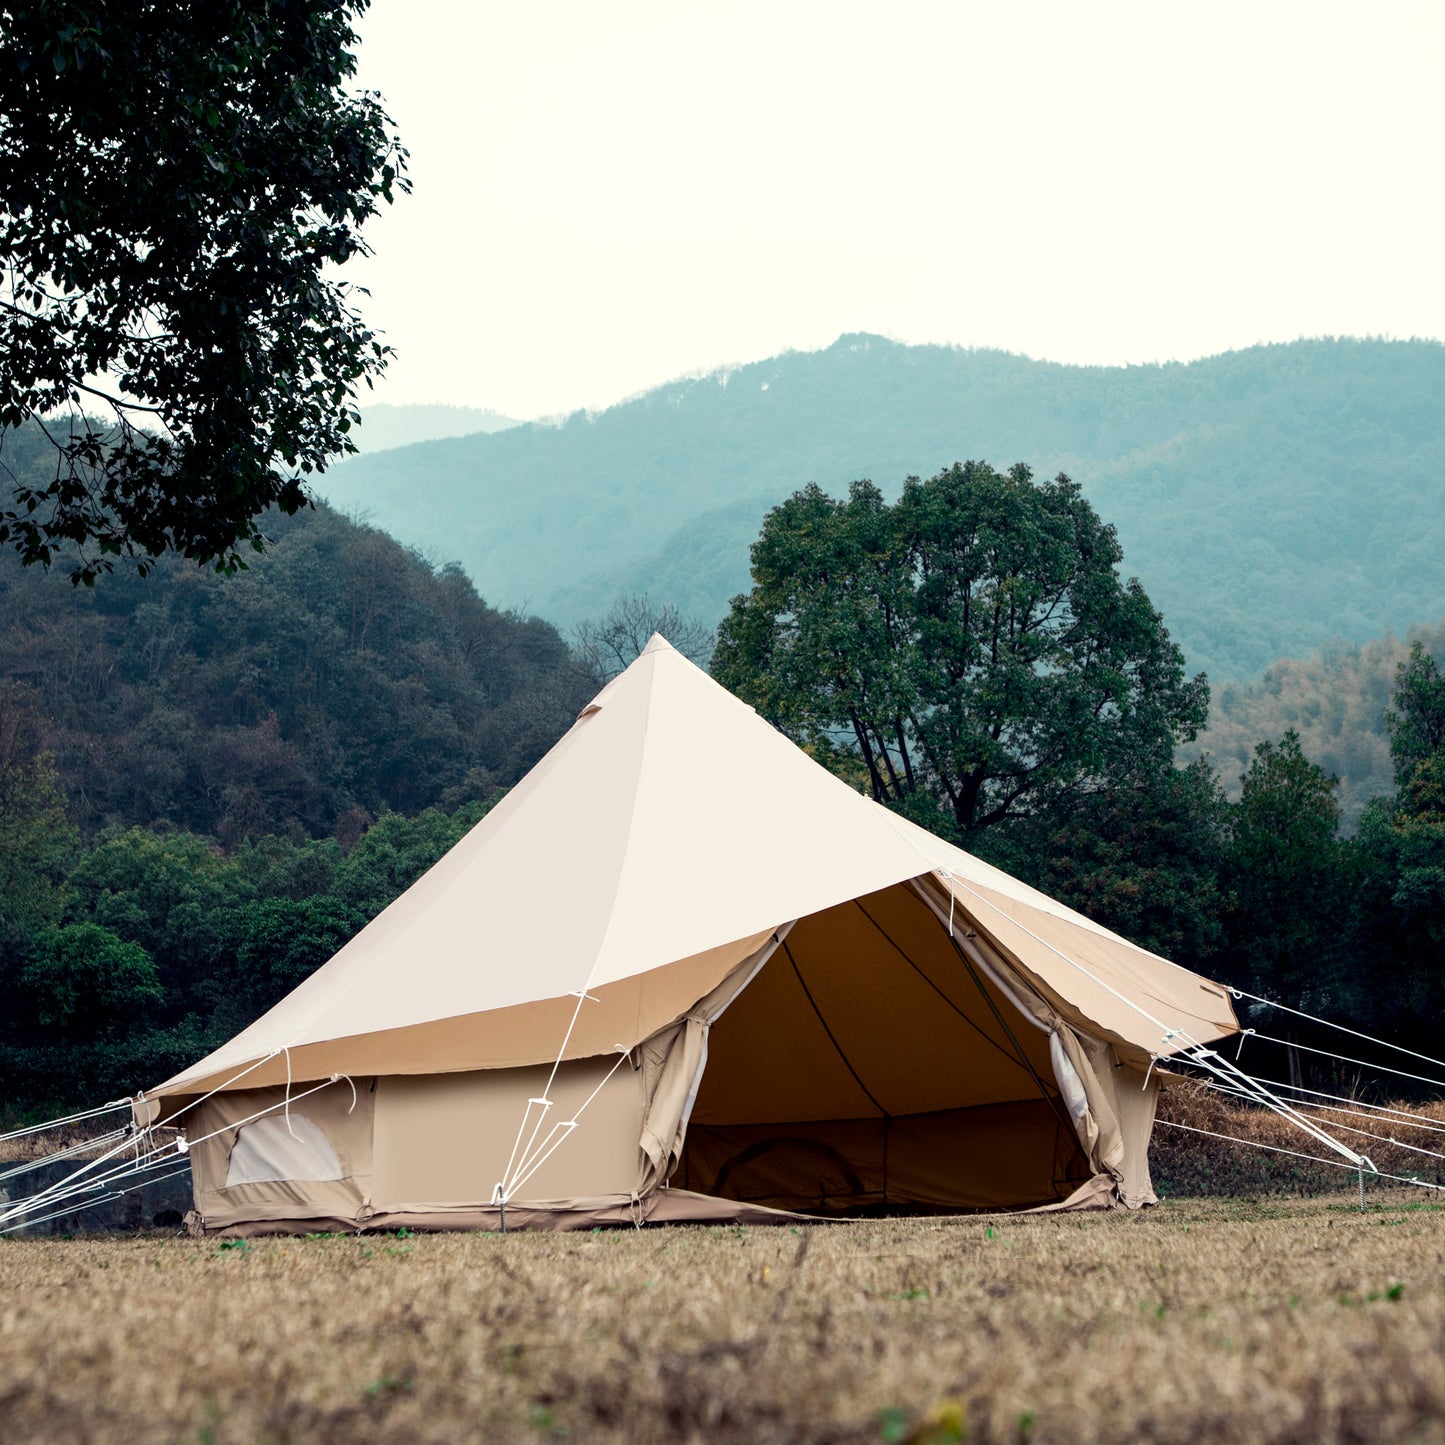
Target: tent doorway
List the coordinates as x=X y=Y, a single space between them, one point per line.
x=870 y=1068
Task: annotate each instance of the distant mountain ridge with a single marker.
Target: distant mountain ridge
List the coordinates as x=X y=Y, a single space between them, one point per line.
x=1270 y=500
x=384 y=425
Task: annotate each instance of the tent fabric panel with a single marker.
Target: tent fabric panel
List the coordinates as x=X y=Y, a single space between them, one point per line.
x=1095 y=1193
x=994 y=1156
x=866 y=1008
x=785 y=1065
x=625 y=1013
x=447 y=1139
x=881 y=970
x=709 y=765
x=1077 y=968
x=1001 y=1155
x=1136 y=1098
x=346 y=1125
x=672 y=1063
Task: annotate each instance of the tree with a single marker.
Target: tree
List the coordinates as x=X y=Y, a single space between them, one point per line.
x=1416 y=725
x=1285 y=875
x=395 y=851
x=284 y=941
x=36 y=836
x=1415 y=722
x=85 y=983
x=172 y=895
x=1403 y=840
x=1144 y=860
x=971 y=646
x=605 y=647
x=176 y=184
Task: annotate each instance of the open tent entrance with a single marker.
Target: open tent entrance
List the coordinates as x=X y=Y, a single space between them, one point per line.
x=871 y=1067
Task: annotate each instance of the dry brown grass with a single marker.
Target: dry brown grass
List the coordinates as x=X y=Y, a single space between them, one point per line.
x=38 y=1146
x=1270 y=1322
x=1188 y=1165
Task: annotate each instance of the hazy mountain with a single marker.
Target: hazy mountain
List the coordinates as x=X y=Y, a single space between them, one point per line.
x=384 y=426
x=1271 y=500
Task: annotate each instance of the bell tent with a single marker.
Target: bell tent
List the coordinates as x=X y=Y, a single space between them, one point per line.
x=682 y=972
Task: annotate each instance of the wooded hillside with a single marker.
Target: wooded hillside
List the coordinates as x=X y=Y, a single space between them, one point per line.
x=1335 y=699
x=341 y=674
x=1270 y=500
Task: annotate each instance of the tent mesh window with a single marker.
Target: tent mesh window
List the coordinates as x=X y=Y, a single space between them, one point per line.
x=281 y=1148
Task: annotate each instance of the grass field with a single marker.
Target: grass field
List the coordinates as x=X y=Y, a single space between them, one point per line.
x=1275 y=1321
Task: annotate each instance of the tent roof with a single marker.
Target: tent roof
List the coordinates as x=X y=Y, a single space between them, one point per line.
x=663 y=838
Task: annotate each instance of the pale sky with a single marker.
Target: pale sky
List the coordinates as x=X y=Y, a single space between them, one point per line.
x=608 y=196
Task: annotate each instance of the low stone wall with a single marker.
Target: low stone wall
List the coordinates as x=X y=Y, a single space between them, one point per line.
x=124 y=1206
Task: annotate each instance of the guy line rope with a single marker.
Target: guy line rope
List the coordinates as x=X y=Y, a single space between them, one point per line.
x=1328 y=1023
x=1245 y=1086
x=1401 y=1117
x=1194 y=1050
x=524 y=1162
x=1348 y=1128
x=75 y=1209
x=1295 y=1154
x=68 y=1153
x=85 y=1179
x=68 y=1119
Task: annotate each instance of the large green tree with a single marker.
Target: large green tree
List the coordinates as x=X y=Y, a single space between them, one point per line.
x=177 y=184
x=1145 y=860
x=1403 y=841
x=85 y=983
x=970 y=651
x=1286 y=874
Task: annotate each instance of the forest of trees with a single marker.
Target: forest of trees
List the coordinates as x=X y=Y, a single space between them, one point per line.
x=208 y=784
x=1335 y=699
x=339 y=676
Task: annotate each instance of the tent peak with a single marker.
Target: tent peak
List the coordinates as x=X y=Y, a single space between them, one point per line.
x=657 y=645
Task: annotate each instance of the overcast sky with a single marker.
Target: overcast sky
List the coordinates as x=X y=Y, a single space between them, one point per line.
x=611 y=195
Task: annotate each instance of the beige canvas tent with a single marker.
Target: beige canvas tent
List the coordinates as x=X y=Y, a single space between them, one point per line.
x=683 y=972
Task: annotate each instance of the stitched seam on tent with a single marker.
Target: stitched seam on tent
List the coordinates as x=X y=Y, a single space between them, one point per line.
x=1053 y=1100
x=832 y=1039
x=631 y=827
x=994 y=1043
